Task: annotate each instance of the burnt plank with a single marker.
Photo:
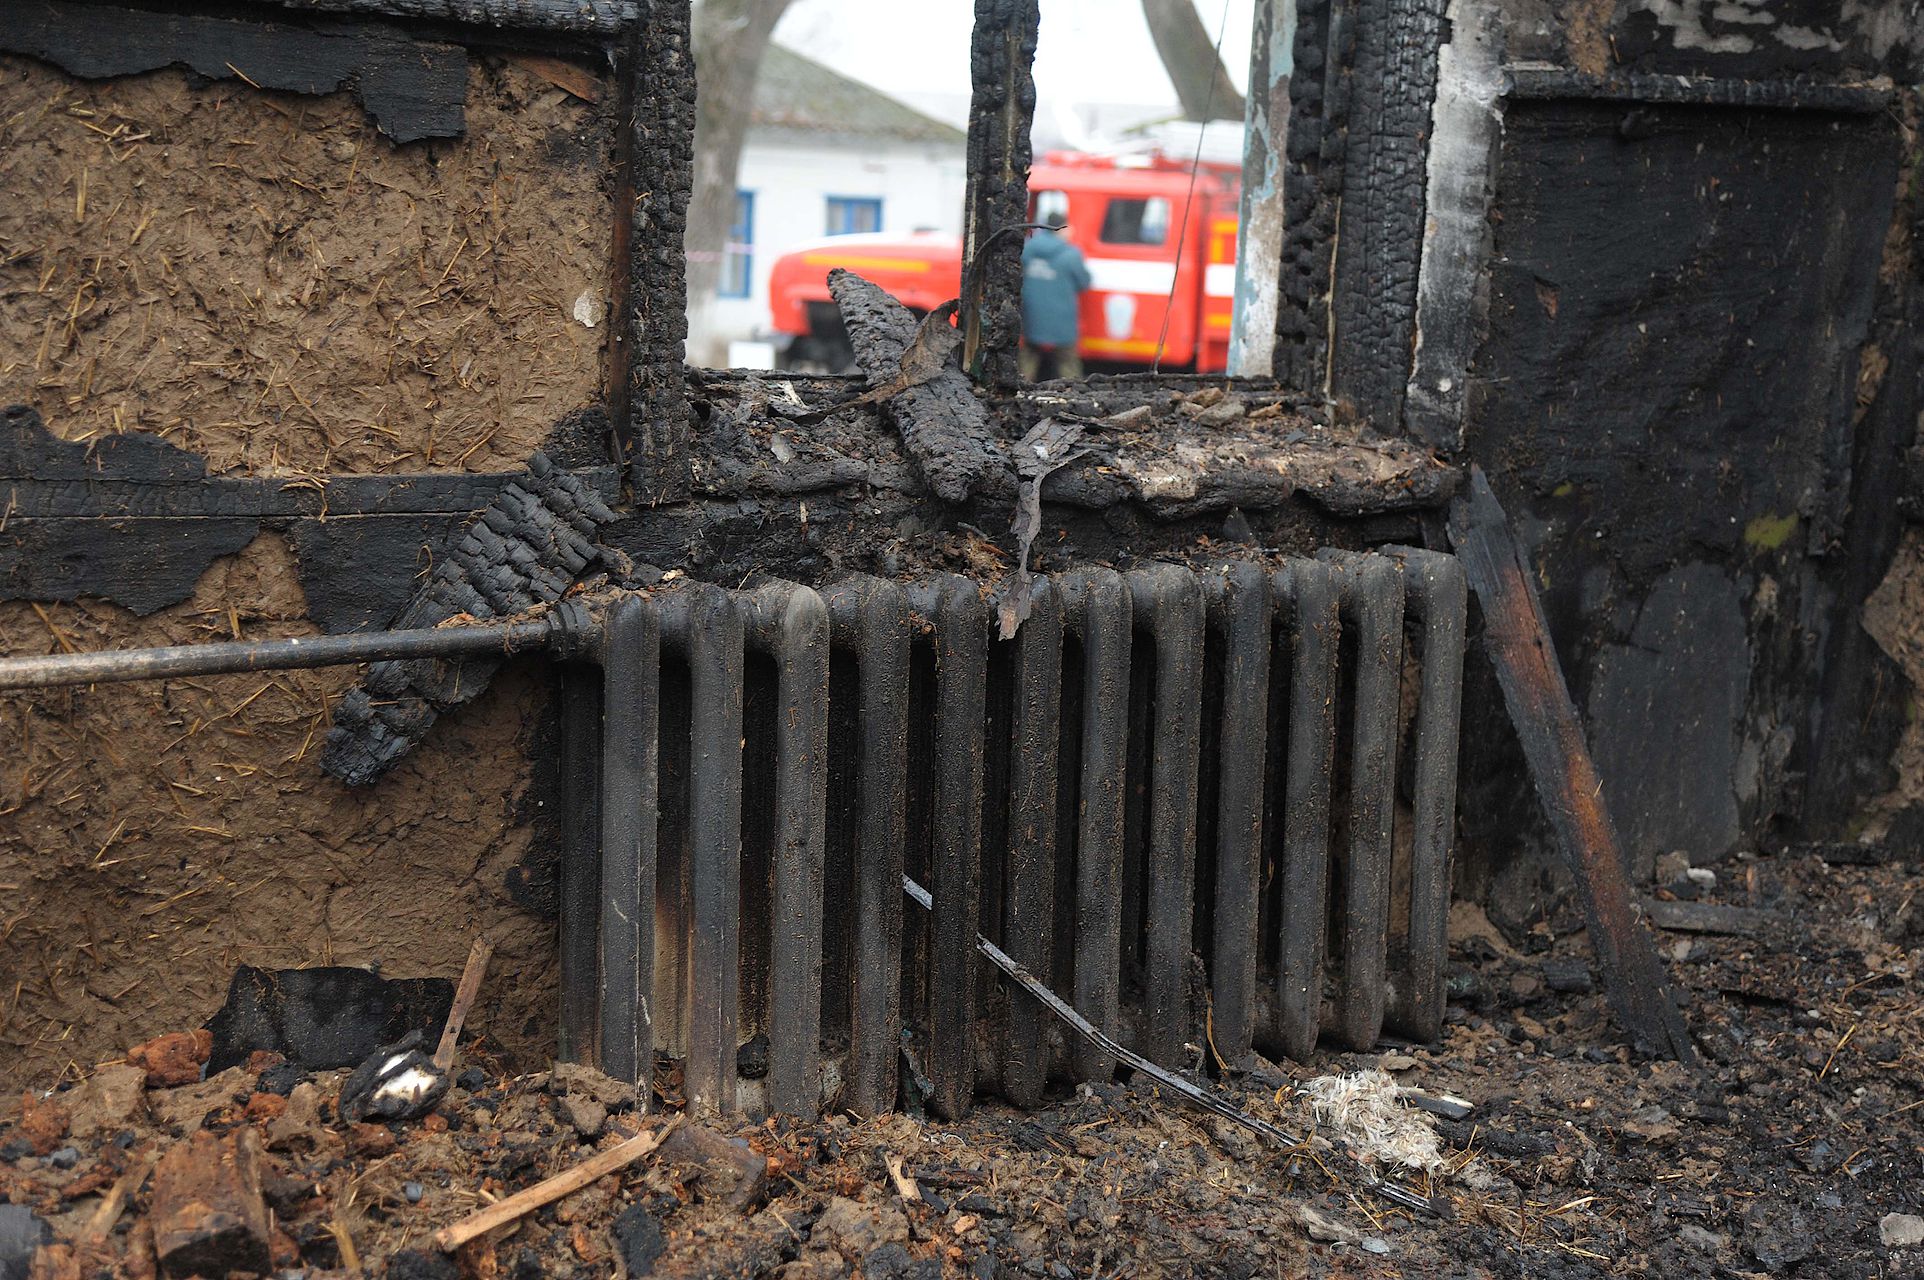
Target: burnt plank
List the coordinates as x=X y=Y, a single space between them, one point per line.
x=1001 y=107
x=594 y=17
x=412 y=88
x=1518 y=642
x=943 y=424
x=144 y=564
x=654 y=165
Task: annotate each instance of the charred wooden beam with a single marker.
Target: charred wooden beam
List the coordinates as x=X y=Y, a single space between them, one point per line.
x=1562 y=84
x=1353 y=198
x=1518 y=641
x=133 y=474
x=1312 y=184
x=1379 y=235
x=1001 y=65
x=943 y=424
x=654 y=175
x=134 y=519
x=414 y=89
x=1452 y=295
x=588 y=17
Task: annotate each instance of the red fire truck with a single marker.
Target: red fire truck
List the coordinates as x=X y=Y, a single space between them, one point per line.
x=1161 y=250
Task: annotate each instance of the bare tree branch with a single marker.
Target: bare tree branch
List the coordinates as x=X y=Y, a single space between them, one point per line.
x=1189 y=55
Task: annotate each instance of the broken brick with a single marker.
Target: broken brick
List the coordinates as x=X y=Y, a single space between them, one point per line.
x=208 y=1215
x=370 y=1140
x=265 y=1107
x=42 y=1122
x=173 y=1059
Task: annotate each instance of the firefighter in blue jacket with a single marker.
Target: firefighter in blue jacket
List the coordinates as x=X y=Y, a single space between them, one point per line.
x=1053 y=278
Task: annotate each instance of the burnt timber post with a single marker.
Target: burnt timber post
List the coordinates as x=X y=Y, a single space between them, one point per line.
x=655 y=168
x=1346 y=308
x=1001 y=64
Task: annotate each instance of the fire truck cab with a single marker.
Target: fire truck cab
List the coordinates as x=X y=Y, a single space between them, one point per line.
x=1161 y=250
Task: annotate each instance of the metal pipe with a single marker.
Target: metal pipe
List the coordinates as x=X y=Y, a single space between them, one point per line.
x=1245 y=618
x=961 y=623
x=1169 y=607
x=630 y=780
x=791 y=623
x=870 y=617
x=230 y=658
x=1028 y=922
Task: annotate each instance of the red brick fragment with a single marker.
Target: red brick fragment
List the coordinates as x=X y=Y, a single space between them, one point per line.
x=370 y=1140
x=265 y=1107
x=43 y=1122
x=172 y=1059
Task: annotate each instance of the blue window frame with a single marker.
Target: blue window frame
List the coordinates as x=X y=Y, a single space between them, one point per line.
x=852 y=215
x=738 y=255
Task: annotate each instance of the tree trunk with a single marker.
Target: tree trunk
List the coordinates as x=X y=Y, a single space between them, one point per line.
x=1189 y=56
x=730 y=38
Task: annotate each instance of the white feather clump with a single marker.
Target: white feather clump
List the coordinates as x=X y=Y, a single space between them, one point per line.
x=407 y=1087
x=1364 y=1108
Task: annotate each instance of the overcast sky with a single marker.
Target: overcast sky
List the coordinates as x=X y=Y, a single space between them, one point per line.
x=1091 y=51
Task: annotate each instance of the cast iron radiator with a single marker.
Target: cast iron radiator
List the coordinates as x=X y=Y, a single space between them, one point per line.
x=1173 y=793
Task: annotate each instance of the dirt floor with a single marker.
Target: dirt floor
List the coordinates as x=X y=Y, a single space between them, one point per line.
x=263 y=278
x=153 y=835
x=1781 y=1154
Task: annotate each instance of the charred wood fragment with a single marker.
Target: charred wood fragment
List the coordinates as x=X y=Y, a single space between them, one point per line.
x=1518 y=641
x=1001 y=65
x=655 y=173
x=945 y=427
x=524 y=551
x=414 y=89
x=591 y=17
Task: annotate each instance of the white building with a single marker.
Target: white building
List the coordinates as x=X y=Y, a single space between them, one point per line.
x=825 y=155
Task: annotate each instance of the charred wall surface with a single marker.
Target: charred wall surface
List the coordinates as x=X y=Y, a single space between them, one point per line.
x=1677 y=281
x=284 y=301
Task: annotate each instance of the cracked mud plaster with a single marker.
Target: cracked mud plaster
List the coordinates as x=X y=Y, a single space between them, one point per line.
x=264 y=279
x=159 y=833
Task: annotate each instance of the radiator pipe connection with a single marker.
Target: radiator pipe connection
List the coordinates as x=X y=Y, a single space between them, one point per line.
x=295 y=652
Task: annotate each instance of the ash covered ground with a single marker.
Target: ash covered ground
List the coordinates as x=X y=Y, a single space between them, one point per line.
x=1785 y=1152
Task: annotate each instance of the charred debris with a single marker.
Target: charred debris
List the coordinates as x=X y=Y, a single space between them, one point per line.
x=1617 y=305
